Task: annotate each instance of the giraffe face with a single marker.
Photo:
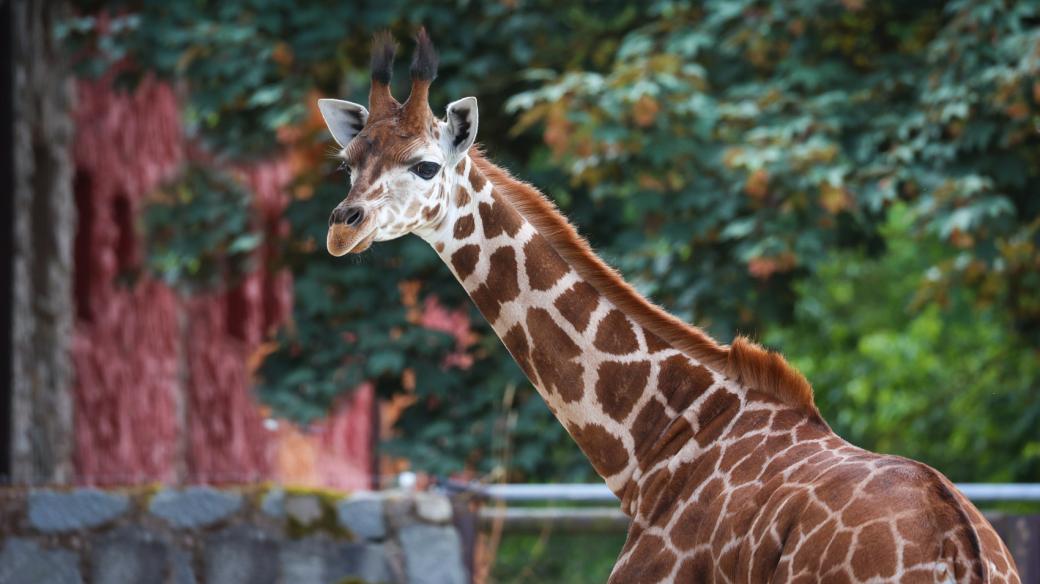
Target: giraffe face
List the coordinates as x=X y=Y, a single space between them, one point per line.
x=397 y=166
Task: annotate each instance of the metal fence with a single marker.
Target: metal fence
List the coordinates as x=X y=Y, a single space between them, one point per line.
x=570 y=518
x=592 y=508
x=599 y=493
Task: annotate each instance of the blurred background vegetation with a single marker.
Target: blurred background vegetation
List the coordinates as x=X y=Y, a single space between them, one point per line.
x=856 y=184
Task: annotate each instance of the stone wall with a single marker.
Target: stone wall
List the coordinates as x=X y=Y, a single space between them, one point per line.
x=225 y=536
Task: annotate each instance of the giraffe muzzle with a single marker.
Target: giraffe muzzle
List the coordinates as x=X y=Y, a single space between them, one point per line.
x=351 y=230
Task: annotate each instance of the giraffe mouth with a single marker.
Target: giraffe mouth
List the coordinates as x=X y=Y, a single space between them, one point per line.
x=343 y=239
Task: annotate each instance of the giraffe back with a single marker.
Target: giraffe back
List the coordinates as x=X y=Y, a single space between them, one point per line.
x=781 y=498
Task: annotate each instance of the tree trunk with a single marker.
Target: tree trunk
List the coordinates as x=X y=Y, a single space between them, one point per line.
x=44 y=230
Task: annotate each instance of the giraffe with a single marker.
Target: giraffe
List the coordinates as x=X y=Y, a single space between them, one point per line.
x=716 y=452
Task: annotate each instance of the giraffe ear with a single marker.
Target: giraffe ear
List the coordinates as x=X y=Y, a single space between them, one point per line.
x=462 y=124
x=345 y=119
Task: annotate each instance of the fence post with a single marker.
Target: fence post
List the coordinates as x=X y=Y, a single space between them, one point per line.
x=1021 y=534
x=467 y=523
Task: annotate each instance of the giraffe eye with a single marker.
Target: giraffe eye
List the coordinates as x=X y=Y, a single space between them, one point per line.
x=426 y=170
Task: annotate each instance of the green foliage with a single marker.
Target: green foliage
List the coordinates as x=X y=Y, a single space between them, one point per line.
x=738 y=160
x=563 y=558
x=742 y=141
x=199 y=230
x=953 y=385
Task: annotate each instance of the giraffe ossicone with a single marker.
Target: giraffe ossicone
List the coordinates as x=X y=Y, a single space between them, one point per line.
x=717 y=451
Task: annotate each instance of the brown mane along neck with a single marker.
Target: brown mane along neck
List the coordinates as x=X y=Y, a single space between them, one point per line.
x=744 y=361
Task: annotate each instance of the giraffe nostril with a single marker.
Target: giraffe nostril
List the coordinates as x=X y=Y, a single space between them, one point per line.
x=350 y=216
x=354 y=216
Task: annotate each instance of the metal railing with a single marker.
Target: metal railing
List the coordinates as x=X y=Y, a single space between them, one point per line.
x=599 y=493
x=607 y=517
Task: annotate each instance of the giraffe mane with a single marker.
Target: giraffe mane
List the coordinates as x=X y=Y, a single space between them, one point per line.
x=744 y=360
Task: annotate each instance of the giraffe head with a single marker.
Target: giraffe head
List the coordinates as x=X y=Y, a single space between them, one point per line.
x=399 y=155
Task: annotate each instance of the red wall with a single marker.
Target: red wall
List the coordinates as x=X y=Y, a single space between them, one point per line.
x=162 y=389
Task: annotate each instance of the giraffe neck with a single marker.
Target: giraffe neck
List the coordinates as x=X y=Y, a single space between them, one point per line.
x=626 y=396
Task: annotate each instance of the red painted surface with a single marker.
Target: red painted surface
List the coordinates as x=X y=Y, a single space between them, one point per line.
x=334 y=453
x=126 y=386
x=126 y=339
x=162 y=388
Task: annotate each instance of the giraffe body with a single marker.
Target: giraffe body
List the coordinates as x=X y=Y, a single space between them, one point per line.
x=717 y=453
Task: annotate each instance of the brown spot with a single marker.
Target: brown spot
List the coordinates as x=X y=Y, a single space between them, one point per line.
x=989 y=540
x=650 y=561
x=655 y=343
x=844 y=578
x=883 y=481
x=650 y=490
x=750 y=468
x=780 y=566
x=750 y=421
x=476 y=179
x=715 y=414
x=464 y=260
x=606 y=452
x=837 y=551
x=819 y=462
x=682 y=382
x=798 y=452
x=734 y=452
x=812 y=515
x=615 y=334
x=806 y=431
x=619 y=386
x=701 y=468
x=685 y=532
x=778 y=442
x=860 y=511
x=727 y=561
x=839 y=483
x=786 y=420
x=917 y=575
x=915 y=531
x=807 y=561
x=500 y=286
x=648 y=425
x=499 y=217
x=695 y=569
x=375 y=193
x=875 y=553
x=544 y=266
x=678 y=434
x=461 y=166
x=439 y=246
x=461 y=197
x=577 y=303
x=464 y=227
x=516 y=341
x=554 y=354
x=431 y=212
